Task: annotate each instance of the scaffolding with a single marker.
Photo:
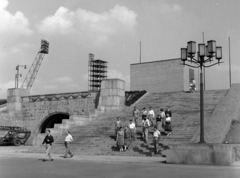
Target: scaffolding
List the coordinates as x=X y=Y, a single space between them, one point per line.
x=97 y=71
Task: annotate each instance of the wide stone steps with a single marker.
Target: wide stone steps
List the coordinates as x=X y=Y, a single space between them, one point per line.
x=97 y=138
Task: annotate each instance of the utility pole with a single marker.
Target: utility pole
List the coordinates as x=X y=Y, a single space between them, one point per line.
x=230 y=77
x=140 y=52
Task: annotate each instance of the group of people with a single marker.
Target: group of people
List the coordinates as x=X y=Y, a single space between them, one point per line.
x=161 y=122
x=124 y=135
x=48 y=141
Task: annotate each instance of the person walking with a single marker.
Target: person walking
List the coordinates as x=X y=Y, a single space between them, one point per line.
x=145 y=126
x=118 y=124
x=48 y=140
x=135 y=115
x=132 y=128
x=120 y=139
x=68 y=141
x=151 y=115
x=156 y=138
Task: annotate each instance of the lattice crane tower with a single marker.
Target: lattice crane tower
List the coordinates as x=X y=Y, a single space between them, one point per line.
x=32 y=73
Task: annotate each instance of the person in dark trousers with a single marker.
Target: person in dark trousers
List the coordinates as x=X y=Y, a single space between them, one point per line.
x=168 y=127
x=48 y=140
x=68 y=141
x=132 y=128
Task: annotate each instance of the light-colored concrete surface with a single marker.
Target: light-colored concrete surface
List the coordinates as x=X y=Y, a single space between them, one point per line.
x=161 y=76
x=20 y=153
x=30 y=165
x=217 y=126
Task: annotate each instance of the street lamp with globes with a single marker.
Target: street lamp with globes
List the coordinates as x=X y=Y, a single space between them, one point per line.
x=210 y=51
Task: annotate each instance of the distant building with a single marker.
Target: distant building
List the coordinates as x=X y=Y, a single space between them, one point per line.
x=162 y=76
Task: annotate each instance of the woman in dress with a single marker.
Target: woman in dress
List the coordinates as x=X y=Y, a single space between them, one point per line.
x=159 y=123
x=120 y=139
x=127 y=138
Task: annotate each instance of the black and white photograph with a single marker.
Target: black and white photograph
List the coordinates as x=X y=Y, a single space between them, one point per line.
x=119 y=89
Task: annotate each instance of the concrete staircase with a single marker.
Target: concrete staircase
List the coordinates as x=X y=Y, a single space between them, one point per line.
x=60 y=129
x=97 y=138
x=185 y=109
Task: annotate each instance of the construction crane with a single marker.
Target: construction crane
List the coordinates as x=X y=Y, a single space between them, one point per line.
x=32 y=73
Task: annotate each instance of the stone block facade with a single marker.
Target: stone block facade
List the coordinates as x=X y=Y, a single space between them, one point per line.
x=112 y=95
x=161 y=76
x=14 y=98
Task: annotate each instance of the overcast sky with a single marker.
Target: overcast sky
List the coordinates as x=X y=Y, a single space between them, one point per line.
x=111 y=30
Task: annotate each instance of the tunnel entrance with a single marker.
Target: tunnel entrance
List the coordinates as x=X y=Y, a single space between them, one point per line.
x=53 y=119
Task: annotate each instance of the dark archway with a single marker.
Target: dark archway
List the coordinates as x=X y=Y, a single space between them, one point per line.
x=53 y=119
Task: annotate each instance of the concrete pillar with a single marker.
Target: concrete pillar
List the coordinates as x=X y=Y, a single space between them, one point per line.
x=14 y=98
x=112 y=95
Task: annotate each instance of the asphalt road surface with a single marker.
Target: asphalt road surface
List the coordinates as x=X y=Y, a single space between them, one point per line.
x=29 y=167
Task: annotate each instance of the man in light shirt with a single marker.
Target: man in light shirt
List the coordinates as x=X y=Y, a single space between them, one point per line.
x=156 y=138
x=145 y=126
x=132 y=128
x=67 y=142
x=136 y=115
x=151 y=115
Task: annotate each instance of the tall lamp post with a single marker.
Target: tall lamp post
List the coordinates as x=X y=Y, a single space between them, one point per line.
x=18 y=75
x=210 y=51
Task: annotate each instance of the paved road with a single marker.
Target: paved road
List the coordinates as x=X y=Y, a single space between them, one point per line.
x=21 y=165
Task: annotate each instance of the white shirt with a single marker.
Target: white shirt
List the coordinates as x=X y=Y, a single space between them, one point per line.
x=146 y=123
x=132 y=126
x=68 y=138
x=168 y=119
x=151 y=112
x=162 y=114
x=156 y=133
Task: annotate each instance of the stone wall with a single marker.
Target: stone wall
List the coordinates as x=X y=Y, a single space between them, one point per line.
x=226 y=111
x=160 y=76
x=35 y=113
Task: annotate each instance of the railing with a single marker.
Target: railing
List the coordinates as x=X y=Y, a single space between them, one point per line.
x=56 y=97
x=133 y=96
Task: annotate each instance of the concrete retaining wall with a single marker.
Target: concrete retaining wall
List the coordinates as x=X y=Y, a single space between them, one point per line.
x=201 y=154
x=226 y=111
